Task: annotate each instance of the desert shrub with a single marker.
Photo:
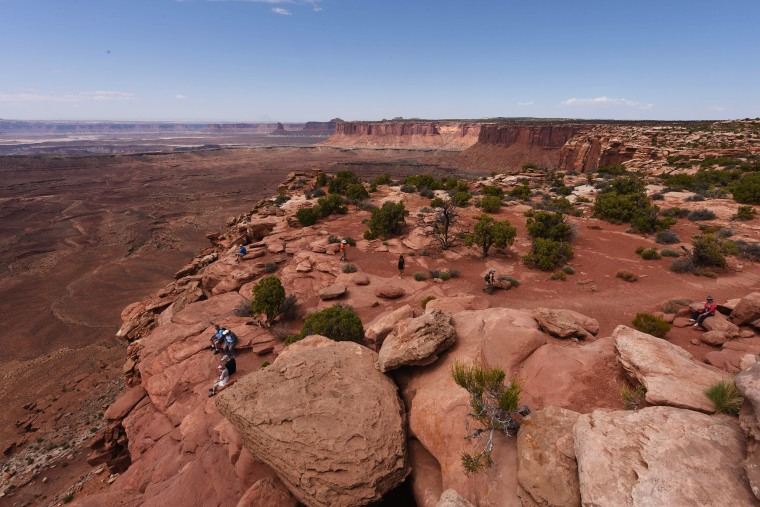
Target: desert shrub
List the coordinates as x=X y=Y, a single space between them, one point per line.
x=522 y=192
x=649 y=254
x=386 y=221
x=461 y=199
x=627 y=276
x=351 y=241
x=657 y=196
x=436 y=203
x=349 y=268
x=696 y=198
x=651 y=324
x=747 y=189
x=673 y=305
x=568 y=269
x=281 y=199
x=726 y=397
x=408 y=189
x=488 y=232
x=318 y=192
x=332 y=239
x=320 y=180
x=494 y=191
x=559 y=275
x=683 y=265
x=546 y=254
x=745 y=213
x=707 y=251
x=426 y=192
x=624 y=200
x=338 y=323
x=384 y=179
x=667 y=237
x=288 y=308
x=613 y=170
x=454 y=273
x=424 y=181
x=270 y=267
x=356 y=191
x=331 y=204
x=490 y=203
x=420 y=277
x=494 y=407
x=425 y=301
x=243 y=309
x=339 y=184
x=675 y=212
x=529 y=166
x=547 y=225
x=701 y=214
x=268 y=296
x=633 y=397
x=440 y=274
x=514 y=282
x=308 y=216
x=749 y=251
x=669 y=252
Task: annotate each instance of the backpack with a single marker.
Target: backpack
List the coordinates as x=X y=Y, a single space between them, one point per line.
x=487 y=278
x=231 y=366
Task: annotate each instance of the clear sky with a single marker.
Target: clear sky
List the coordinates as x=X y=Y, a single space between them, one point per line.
x=298 y=60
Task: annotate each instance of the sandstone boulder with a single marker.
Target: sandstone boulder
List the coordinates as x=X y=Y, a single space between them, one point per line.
x=669 y=373
x=450 y=498
x=456 y=304
x=390 y=291
x=660 y=456
x=748 y=383
x=565 y=323
x=326 y=420
x=267 y=492
x=714 y=338
x=548 y=472
x=719 y=323
x=361 y=279
x=747 y=309
x=376 y=331
x=417 y=341
x=333 y=291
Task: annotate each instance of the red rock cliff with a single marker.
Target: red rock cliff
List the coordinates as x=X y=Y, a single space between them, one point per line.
x=402 y=134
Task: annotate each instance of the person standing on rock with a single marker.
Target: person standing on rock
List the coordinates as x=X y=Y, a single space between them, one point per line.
x=343 y=250
x=708 y=310
x=401 y=265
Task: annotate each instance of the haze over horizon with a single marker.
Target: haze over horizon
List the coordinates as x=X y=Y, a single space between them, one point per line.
x=301 y=60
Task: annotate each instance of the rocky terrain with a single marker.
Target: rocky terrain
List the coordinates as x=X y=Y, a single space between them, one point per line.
x=338 y=423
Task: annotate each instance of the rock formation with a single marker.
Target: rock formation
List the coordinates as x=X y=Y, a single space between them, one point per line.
x=417 y=341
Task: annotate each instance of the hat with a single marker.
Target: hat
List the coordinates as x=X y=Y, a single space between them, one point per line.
x=225 y=357
x=226 y=332
x=343 y=241
x=709 y=298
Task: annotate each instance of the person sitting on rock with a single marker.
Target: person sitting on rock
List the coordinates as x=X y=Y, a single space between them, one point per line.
x=218 y=339
x=230 y=339
x=698 y=317
x=241 y=253
x=226 y=369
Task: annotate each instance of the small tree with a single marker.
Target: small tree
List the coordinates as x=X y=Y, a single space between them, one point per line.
x=488 y=232
x=547 y=225
x=339 y=184
x=308 y=216
x=356 y=191
x=446 y=226
x=386 y=221
x=490 y=203
x=495 y=405
x=268 y=297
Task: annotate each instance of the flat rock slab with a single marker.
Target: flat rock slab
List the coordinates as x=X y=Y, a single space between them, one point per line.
x=565 y=323
x=670 y=374
x=660 y=456
x=326 y=420
x=417 y=341
x=382 y=325
x=333 y=291
x=390 y=291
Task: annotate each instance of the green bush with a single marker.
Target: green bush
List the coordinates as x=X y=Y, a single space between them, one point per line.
x=627 y=276
x=745 y=213
x=461 y=199
x=726 y=397
x=386 y=221
x=649 y=254
x=490 y=203
x=331 y=204
x=339 y=184
x=356 y=192
x=349 y=268
x=513 y=282
x=268 y=296
x=488 y=232
x=337 y=323
x=308 y=216
x=436 y=202
x=707 y=251
x=522 y=192
x=669 y=252
x=624 y=200
x=320 y=180
x=675 y=212
x=547 y=225
x=408 y=189
x=747 y=189
x=420 y=277
x=568 y=269
x=613 y=170
x=424 y=181
x=667 y=237
x=701 y=214
x=494 y=191
x=385 y=179
x=425 y=301
x=426 y=192
x=651 y=324
x=547 y=254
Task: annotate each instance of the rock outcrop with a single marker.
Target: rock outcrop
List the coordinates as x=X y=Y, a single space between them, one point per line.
x=325 y=420
x=660 y=456
x=565 y=323
x=417 y=341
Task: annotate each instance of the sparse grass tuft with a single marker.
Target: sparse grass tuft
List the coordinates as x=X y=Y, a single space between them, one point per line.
x=349 y=268
x=633 y=397
x=420 y=277
x=627 y=276
x=726 y=397
x=673 y=305
x=651 y=324
x=425 y=301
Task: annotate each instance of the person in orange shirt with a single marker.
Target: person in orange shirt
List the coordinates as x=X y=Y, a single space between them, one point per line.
x=343 y=248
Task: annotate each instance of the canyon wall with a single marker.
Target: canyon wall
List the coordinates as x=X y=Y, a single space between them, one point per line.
x=109 y=127
x=454 y=136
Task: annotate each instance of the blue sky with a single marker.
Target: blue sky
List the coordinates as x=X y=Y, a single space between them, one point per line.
x=299 y=60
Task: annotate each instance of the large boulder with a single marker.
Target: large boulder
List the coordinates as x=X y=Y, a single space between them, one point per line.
x=670 y=374
x=390 y=291
x=719 y=323
x=747 y=309
x=417 y=341
x=376 y=331
x=456 y=304
x=565 y=323
x=326 y=420
x=748 y=383
x=450 y=498
x=547 y=471
x=333 y=291
x=660 y=456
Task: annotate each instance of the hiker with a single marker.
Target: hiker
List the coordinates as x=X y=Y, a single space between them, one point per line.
x=241 y=253
x=698 y=317
x=490 y=278
x=226 y=369
x=217 y=339
x=230 y=339
x=343 y=248
x=401 y=265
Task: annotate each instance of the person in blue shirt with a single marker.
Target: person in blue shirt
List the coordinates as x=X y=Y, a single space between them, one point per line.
x=218 y=338
x=241 y=253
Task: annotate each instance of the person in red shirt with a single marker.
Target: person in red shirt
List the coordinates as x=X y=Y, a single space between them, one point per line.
x=708 y=311
x=343 y=248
